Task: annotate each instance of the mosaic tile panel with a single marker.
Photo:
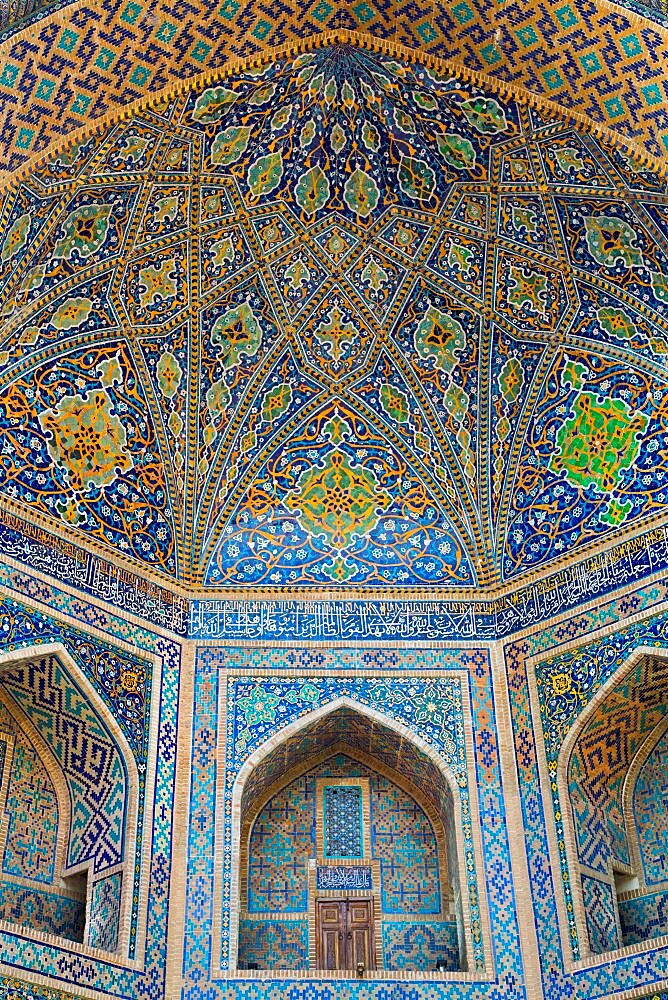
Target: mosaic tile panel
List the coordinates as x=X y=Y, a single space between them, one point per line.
x=264 y=943
x=416 y=947
x=71 y=563
x=105 y=904
x=342 y=877
x=103 y=662
x=282 y=841
x=42 y=911
x=591 y=662
x=650 y=808
x=106 y=502
x=368 y=280
x=600 y=906
x=342 y=807
x=256 y=704
x=104 y=665
x=210 y=673
x=93 y=61
x=122 y=680
x=644 y=917
x=90 y=761
x=592 y=984
x=602 y=981
x=32 y=810
x=613 y=733
x=346 y=725
x=75 y=565
x=404 y=841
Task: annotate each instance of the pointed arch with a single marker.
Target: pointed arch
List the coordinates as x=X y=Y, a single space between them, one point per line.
x=84 y=760
x=642 y=755
x=597 y=769
x=259 y=775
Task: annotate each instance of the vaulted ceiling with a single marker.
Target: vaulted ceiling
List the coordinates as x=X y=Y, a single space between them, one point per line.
x=73 y=61
x=342 y=318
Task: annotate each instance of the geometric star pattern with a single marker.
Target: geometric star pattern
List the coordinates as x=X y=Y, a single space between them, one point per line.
x=73 y=62
x=338 y=318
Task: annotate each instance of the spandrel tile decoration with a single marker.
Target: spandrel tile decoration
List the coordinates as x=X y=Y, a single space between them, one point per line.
x=333 y=501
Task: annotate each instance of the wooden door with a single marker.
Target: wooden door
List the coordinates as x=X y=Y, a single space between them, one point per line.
x=360 y=934
x=344 y=934
x=331 y=933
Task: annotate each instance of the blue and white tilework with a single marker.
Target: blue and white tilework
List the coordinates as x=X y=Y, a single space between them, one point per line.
x=263 y=697
x=104 y=663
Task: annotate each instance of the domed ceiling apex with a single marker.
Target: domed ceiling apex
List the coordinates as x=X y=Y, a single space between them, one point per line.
x=340 y=319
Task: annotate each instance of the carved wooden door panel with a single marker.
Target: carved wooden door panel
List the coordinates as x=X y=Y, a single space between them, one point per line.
x=331 y=933
x=360 y=935
x=344 y=934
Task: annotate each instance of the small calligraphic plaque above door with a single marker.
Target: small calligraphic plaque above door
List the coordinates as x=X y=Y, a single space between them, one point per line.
x=344 y=877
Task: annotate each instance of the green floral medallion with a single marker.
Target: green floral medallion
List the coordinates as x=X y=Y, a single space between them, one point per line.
x=87 y=440
x=238 y=332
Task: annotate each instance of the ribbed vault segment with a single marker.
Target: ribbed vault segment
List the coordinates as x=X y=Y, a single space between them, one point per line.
x=339 y=319
x=345 y=729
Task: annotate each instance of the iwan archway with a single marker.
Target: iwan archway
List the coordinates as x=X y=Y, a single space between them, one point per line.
x=68 y=794
x=612 y=773
x=348 y=835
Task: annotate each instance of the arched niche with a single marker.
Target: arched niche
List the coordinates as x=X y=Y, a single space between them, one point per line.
x=613 y=773
x=348 y=744
x=83 y=892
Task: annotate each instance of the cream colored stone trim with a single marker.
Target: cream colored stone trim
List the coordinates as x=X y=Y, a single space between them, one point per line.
x=645 y=891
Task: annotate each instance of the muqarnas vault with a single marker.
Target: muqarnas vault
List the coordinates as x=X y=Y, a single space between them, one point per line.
x=333 y=479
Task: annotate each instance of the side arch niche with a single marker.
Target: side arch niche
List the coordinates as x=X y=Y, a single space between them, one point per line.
x=348 y=807
x=614 y=772
x=68 y=789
